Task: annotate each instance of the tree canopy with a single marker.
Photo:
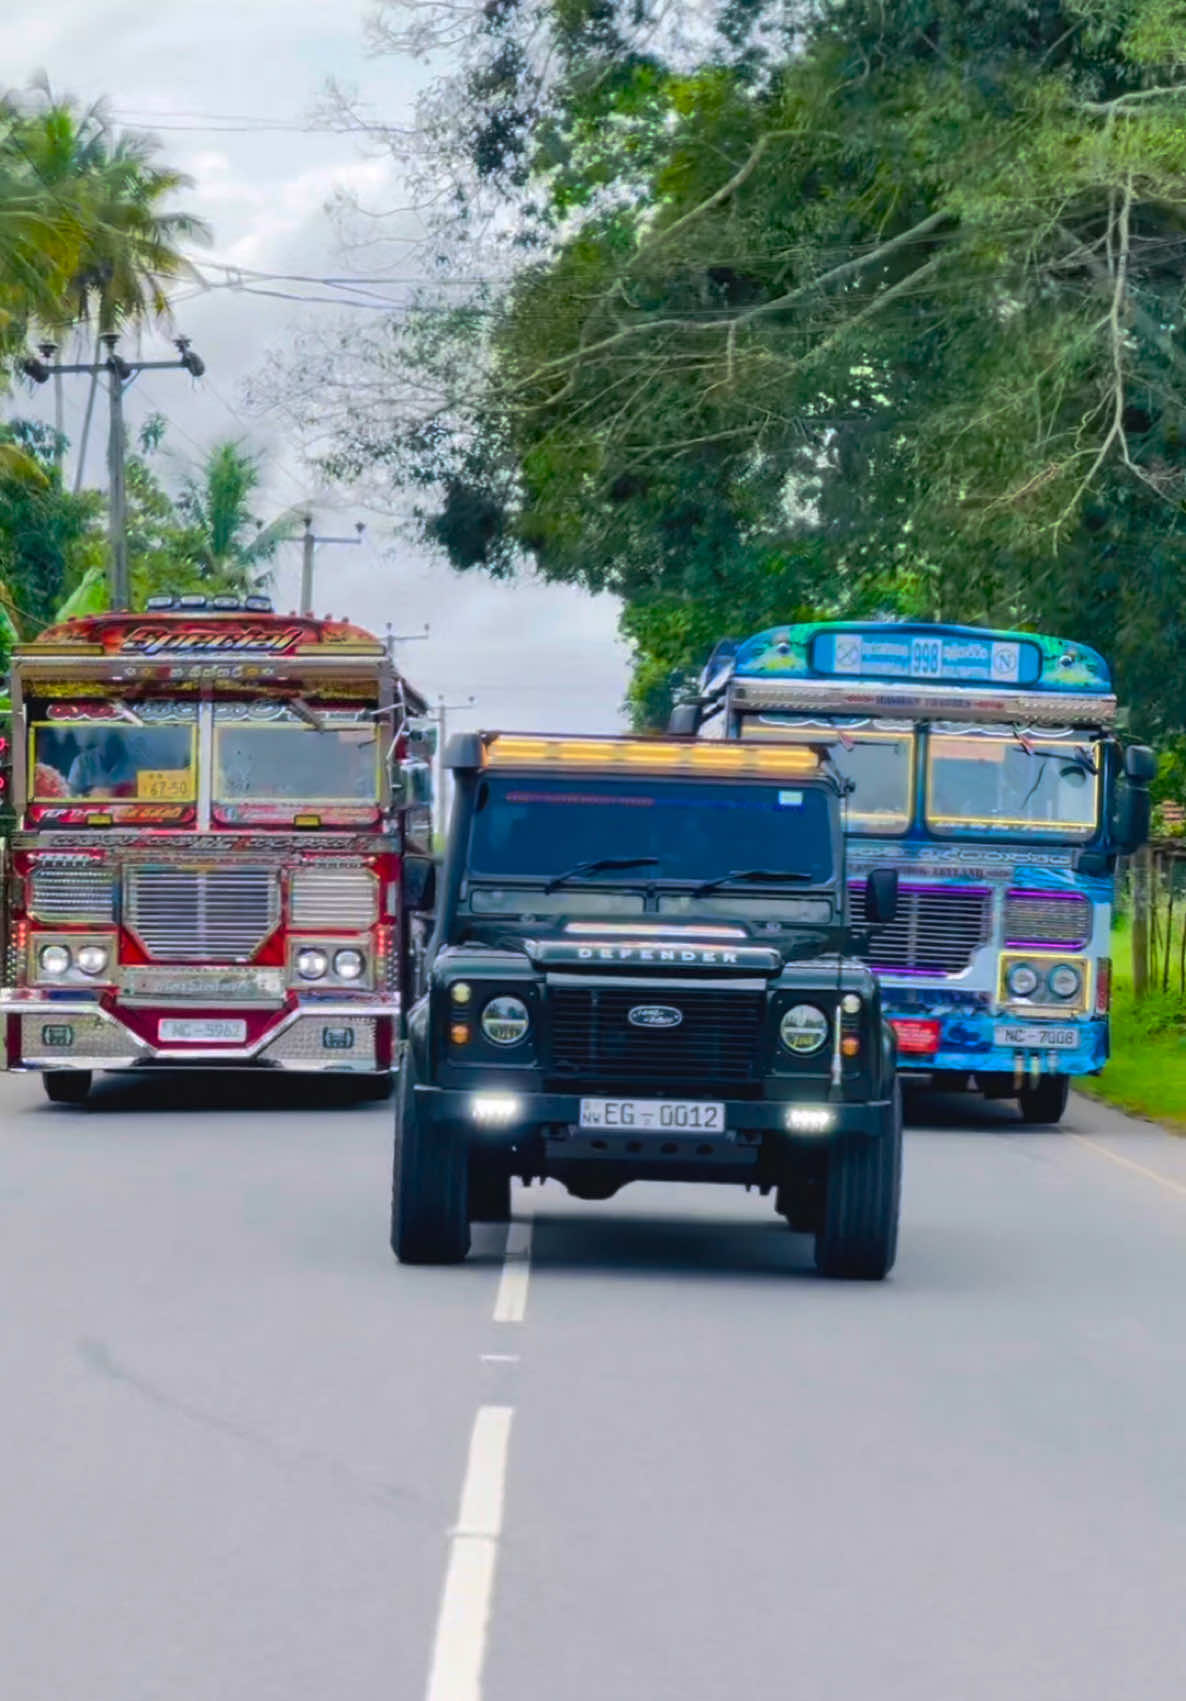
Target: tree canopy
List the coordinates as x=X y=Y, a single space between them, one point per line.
x=828 y=308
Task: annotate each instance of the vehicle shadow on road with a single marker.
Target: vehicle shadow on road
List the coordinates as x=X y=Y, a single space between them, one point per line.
x=967 y=1113
x=665 y=1245
x=201 y=1093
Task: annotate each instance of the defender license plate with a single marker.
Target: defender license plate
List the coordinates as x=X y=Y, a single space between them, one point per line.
x=678 y=1116
x=226 y=1033
x=1029 y=1037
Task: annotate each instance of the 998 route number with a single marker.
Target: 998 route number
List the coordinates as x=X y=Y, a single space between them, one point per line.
x=694 y=1115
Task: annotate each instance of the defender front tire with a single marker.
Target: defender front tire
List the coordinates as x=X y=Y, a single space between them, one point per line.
x=429 y=1186
x=1043 y=1103
x=67 y=1086
x=862 y=1195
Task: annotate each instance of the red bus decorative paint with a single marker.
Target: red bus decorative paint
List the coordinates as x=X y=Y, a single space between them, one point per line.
x=214 y=808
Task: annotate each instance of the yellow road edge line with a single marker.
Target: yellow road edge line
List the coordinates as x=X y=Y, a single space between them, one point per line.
x=1130 y=1163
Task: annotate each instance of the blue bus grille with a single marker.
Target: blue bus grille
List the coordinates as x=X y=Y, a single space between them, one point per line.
x=1047 y=918
x=937 y=929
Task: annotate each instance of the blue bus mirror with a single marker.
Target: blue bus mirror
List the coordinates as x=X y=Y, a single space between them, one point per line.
x=881 y=896
x=1134 y=813
x=1140 y=764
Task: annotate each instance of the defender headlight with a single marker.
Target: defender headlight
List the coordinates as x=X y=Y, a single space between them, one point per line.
x=505 y=1021
x=803 y=1029
x=54 y=959
x=93 y=959
x=311 y=963
x=349 y=964
x=1064 y=980
x=1022 y=980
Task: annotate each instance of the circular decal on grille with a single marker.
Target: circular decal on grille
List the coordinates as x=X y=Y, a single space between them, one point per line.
x=655 y=1016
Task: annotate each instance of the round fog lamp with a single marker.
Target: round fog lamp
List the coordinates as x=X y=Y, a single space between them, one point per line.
x=311 y=964
x=505 y=1021
x=1022 y=980
x=92 y=959
x=348 y=965
x=850 y=1004
x=54 y=959
x=1064 y=980
x=803 y=1029
x=461 y=992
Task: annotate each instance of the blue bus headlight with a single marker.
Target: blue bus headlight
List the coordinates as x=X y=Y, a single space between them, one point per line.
x=1022 y=980
x=1064 y=980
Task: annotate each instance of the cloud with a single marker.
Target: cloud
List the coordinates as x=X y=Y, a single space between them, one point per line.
x=534 y=655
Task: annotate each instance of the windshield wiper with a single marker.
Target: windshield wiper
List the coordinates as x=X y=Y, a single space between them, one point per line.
x=774 y=876
x=1077 y=757
x=598 y=865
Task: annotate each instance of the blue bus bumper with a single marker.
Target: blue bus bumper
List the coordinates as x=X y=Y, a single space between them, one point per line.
x=998 y=1045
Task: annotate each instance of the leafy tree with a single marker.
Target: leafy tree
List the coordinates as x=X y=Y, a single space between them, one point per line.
x=230 y=545
x=48 y=537
x=847 y=307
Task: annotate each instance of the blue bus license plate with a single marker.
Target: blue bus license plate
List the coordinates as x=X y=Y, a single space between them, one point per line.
x=1028 y=1036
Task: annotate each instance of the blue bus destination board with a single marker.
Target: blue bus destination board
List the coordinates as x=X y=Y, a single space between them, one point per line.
x=887 y=654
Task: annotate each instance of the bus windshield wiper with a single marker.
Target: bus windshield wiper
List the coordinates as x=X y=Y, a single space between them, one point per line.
x=772 y=875
x=1076 y=757
x=599 y=865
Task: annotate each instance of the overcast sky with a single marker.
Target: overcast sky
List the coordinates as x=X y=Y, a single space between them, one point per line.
x=228 y=86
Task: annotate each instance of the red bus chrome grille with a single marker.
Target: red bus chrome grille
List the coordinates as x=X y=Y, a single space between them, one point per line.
x=202 y=914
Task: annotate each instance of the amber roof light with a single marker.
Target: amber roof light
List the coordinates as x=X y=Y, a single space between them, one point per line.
x=653 y=756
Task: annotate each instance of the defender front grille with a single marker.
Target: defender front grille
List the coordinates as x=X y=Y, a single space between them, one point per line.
x=333 y=898
x=716 y=1042
x=202 y=915
x=936 y=931
x=1047 y=918
x=72 y=889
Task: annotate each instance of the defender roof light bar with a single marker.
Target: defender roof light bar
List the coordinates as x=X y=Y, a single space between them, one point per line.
x=736 y=758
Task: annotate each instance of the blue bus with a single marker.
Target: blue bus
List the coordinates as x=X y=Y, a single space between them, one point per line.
x=984 y=767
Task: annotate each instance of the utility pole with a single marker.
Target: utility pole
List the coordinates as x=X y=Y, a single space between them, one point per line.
x=441 y=717
x=120 y=373
x=394 y=638
x=308 y=544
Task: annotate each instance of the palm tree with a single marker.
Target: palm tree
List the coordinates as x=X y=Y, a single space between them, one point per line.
x=129 y=246
x=40 y=234
x=232 y=548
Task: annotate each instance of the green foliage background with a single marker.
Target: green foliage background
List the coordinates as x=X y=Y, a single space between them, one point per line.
x=857 y=307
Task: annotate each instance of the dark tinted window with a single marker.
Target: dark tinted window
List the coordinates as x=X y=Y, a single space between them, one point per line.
x=696 y=830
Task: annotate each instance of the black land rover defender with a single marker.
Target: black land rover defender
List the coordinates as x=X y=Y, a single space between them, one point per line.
x=638 y=972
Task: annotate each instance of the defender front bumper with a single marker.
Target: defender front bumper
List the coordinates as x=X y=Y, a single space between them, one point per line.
x=503 y=1116
x=78 y=1033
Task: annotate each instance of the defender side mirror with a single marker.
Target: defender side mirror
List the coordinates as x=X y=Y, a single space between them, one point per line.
x=684 y=721
x=419 y=883
x=881 y=896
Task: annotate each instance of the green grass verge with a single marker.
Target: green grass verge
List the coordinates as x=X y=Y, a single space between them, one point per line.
x=1147 y=1070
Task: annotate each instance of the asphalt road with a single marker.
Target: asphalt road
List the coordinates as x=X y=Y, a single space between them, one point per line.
x=246 y=1458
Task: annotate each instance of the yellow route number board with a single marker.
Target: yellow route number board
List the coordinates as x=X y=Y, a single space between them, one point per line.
x=163 y=785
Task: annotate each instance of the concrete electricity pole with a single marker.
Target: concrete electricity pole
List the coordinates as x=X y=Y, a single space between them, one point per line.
x=308 y=544
x=394 y=638
x=120 y=373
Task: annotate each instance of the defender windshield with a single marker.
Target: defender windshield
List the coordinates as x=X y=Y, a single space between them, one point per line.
x=995 y=783
x=538 y=829
x=878 y=759
x=112 y=761
x=289 y=762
